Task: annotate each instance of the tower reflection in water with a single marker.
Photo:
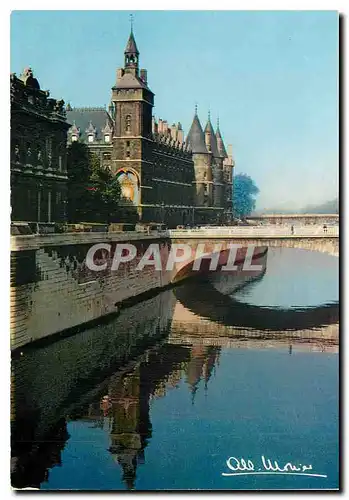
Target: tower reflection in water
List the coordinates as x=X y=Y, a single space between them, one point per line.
x=125 y=409
x=109 y=375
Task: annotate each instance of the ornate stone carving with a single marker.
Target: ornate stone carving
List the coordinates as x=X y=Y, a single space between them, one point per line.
x=29 y=155
x=17 y=153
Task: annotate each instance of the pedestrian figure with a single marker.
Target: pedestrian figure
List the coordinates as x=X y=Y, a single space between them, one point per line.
x=325 y=228
x=292 y=229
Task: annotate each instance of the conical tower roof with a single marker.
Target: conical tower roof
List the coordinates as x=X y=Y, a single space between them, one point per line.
x=220 y=144
x=196 y=138
x=131 y=47
x=213 y=140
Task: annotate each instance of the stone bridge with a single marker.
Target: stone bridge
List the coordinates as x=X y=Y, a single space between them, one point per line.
x=304 y=219
x=314 y=238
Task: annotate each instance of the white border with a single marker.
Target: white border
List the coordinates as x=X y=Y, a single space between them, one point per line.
x=6 y=7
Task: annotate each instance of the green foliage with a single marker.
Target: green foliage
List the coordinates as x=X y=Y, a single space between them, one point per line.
x=93 y=191
x=244 y=192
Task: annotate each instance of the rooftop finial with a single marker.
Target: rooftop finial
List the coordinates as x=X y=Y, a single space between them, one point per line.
x=218 y=121
x=209 y=115
x=131 y=21
x=196 y=108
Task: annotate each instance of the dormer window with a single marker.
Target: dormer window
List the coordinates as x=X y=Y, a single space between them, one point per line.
x=75 y=132
x=107 y=138
x=91 y=133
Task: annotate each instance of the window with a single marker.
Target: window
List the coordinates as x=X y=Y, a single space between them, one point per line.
x=49 y=207
x=107 y=138
x=128 y=123
x=39 y=206
x=106 y=156
x=128 y=153
x=90 y=138
x=74 y=138
x=60 y=163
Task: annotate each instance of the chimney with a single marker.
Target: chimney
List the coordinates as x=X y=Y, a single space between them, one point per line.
x=160 y=126
x=174 y=131
x=119 y=73
x=230 y=154
x=154 y=125
x=165 y=127
x=180 y=135
x=143 y=76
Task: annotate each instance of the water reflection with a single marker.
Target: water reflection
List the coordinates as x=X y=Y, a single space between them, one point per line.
x=106 y=385
x=124 y=410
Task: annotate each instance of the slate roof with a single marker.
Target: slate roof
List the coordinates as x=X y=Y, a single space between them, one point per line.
x=131 y=47
x=84 y=117
x=195 y=138
x=213 y=142
x=220 y=144
x=129 y=81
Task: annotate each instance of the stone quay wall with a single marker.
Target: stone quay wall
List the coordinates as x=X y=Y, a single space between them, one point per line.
x=52 y=289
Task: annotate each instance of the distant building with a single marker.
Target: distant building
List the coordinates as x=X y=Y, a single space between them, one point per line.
x=169 y=178
x=38 y=152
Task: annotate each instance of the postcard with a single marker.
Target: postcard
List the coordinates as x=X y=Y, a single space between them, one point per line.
x=174 y=250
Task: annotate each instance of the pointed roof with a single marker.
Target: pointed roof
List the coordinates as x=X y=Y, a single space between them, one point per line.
x=213 y=140
x=107 y=128
x=195 y=138
x=129 y=81
x=90 y=129
x=220 y=144
x=131 y=47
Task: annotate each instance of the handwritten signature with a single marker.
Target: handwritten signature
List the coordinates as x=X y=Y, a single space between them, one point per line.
x=241 y=467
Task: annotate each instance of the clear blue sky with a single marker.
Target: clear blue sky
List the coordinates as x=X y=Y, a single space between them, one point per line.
x=271 y=76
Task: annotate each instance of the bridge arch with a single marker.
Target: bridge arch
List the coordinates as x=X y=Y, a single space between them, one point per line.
x=258 y=246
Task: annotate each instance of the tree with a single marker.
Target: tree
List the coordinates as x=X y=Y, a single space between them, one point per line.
x=78 y=168
x=93 y=191
x=244 y=192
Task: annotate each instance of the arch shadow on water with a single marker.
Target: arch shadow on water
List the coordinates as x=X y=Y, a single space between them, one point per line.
x=209 y=303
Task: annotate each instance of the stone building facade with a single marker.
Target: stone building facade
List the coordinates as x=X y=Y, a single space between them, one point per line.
x=169 y=178
x=38 y=152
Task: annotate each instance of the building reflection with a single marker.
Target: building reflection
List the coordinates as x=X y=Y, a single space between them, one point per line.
x=125 y=410
x=32 y=460
x=174 y=339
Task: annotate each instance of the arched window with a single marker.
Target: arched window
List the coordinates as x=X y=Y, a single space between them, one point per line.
x=128 y=123
x=129 y=186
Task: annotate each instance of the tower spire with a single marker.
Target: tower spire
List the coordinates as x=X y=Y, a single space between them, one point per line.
x=131 y=53
x=131 y=22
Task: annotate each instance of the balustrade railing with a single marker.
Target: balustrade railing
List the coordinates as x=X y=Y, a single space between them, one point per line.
x=259 y=231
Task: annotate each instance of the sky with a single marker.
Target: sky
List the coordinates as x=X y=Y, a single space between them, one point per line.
x=270 y=76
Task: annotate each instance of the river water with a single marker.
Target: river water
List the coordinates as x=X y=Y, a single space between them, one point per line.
x=160 y=397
